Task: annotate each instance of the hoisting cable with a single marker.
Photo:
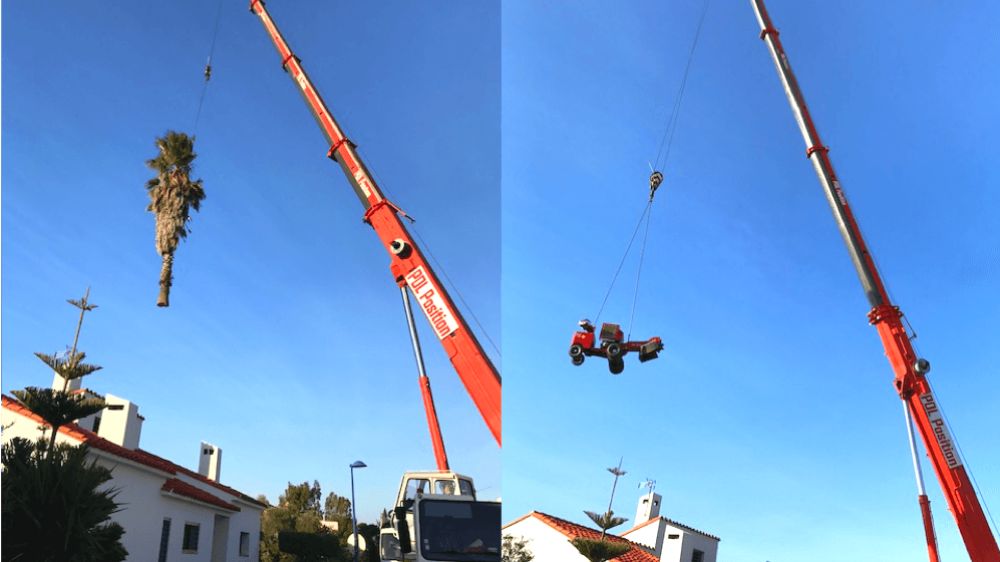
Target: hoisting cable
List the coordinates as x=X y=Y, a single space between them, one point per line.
x=628 y=247
x=642 y=253
x=656 y=177
x=440 y=268
x=444 y=273
x=671 y=127
x=965 y=463
x=208 y=68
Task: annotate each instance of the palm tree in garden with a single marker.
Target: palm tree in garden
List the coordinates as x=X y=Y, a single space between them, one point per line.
x=172 y=195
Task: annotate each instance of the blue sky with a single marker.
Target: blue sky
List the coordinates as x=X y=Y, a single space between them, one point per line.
x=285 y=342
x=770 y=418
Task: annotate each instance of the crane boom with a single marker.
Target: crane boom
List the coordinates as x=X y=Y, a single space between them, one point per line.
x=910 y=371
x=408 y=265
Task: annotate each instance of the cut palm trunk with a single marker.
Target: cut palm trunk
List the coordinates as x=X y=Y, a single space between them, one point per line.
x=172 y=195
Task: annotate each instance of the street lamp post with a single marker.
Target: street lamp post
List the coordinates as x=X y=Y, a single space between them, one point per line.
x=354 y=511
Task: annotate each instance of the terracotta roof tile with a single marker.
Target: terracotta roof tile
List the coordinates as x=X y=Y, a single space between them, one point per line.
x=675 y=524
x=572 y=530
x=137 y=455
x=181 y=488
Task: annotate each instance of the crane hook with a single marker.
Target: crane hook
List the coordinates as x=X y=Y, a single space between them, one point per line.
x=655 y=179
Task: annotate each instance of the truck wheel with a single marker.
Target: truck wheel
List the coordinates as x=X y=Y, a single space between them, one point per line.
x=614 y=351
x=576 y=350
x=578 y=360
x=616 y=366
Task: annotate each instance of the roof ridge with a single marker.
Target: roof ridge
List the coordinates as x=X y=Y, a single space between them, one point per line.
x=675 y=524
x=180 y=487
x=641 y=552
x=138 y=455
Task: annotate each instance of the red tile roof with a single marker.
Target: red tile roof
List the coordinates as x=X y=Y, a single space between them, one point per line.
x=180 y=488
x=675 y=524
x=572 y=531
x=137 y=455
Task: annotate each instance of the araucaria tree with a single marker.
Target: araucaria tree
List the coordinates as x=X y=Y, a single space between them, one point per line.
x=172 y=195
x=601 y=550
x=53 y=508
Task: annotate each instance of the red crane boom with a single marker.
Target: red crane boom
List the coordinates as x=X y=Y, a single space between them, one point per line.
x=910 y=371
x=408 y=266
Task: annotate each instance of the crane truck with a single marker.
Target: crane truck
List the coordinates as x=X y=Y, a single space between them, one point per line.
x=919 y=404
x=437 y=516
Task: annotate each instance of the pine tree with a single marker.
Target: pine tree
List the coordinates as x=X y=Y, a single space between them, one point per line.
x=52 y=507
x=601 y=550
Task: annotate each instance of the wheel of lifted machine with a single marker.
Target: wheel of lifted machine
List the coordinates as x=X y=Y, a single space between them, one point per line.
x=576 y=350
x=614 y=351
x=578 y=360
x=616 y=366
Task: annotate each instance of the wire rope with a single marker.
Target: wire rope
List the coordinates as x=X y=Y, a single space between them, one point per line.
x=208 y=68
x=671 y=127
x=628 y=248
x=638 y=273
x=655 y=179
x=440 y=268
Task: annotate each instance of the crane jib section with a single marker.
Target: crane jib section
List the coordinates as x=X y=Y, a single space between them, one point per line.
x=408 y=264
x=910 y=380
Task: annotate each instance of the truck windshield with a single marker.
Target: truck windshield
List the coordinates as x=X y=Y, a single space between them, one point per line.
x=459 y=531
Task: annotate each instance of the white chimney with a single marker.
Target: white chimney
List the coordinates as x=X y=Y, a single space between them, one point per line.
x=210 y=461
x=120 y=422
x=648 y=508
x=58 y=382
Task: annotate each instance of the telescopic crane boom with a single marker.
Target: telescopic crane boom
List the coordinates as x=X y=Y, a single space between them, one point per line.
x=408 y=266
x=910 y=371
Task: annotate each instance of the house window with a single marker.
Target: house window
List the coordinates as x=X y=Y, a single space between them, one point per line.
x=697 y=556
x=164 y=538
x=673 y=536
x=244 y=544
x=190 y=543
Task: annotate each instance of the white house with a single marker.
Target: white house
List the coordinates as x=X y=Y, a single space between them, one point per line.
x=653 y=538
x=548 y=539
x=669 y=540
x=170 y=513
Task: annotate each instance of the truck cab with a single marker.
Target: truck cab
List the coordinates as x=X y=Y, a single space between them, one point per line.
x=437 y=518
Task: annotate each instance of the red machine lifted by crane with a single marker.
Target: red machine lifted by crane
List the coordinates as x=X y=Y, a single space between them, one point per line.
x=910 y=371
x=612 y=346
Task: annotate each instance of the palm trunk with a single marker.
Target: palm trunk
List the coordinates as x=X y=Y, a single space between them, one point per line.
x=166 y=278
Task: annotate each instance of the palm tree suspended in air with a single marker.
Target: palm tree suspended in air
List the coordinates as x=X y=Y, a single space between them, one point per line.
x=172 y=195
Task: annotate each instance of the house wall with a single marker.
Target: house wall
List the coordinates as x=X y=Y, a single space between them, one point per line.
x=16 y=425
x=246 y=521
x=650 y=536
x=691 y=541
x=144 y=506
x=547 y=544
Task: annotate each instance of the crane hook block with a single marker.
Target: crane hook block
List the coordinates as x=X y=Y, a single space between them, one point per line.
x=208 y=72
x=611 y=345
x=655 y=179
